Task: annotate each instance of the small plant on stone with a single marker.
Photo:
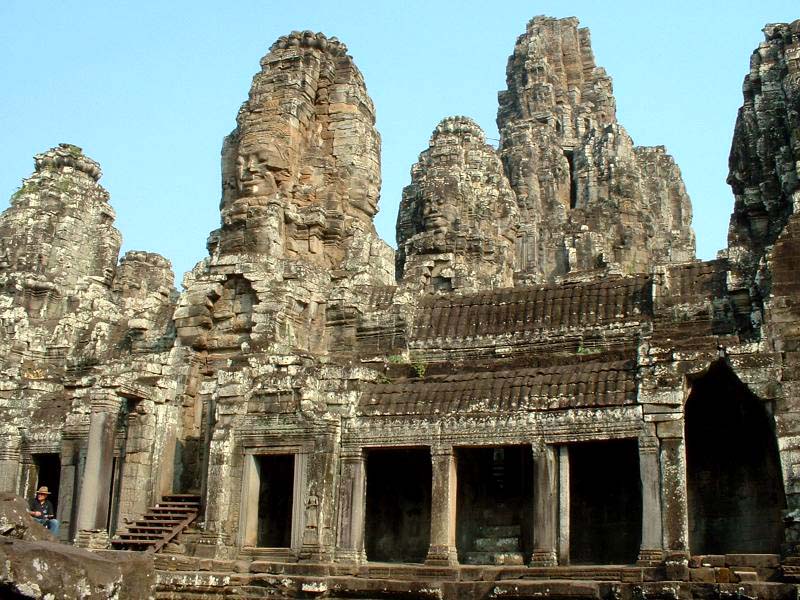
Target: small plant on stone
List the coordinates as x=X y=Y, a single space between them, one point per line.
x=419 y=368
x=584 y=351
x=28 y=188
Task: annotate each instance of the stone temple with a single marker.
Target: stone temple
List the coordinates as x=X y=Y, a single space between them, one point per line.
x=540 y=393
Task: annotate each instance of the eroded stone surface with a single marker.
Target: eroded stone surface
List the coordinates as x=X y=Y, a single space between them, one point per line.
x=588 y=198
x=546 y=297
x=457 y=224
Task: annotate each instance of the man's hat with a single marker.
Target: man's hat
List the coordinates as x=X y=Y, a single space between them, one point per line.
x=42 y=490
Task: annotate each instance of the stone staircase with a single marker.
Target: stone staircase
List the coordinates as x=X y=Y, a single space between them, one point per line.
x=496 y=545
x=160 y=524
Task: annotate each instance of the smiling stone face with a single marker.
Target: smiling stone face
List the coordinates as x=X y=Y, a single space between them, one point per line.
x=458 y=214
x=260 y=174
x=304 y=159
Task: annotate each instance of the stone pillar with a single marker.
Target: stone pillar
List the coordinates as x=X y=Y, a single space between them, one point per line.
x=299 y=490
x=97 y=474
x=651 y=551
x=674 y=500
x=248 y=511
x=563 y=505
x=673 y=495
x=545 y=506
x=215 y=540
x=442 y=550
x=135 y=487
x=66 y=511
x=352 y=503
x=10 y=442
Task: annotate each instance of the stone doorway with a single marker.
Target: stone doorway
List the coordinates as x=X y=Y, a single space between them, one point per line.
x=735 y=488
x=495 y=505
x=605 y=502
x=398 y=512
x=275 y=491
x=48 y=472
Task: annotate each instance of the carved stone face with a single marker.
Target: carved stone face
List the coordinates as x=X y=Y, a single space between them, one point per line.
x=438 y=209
x=255 y=176
x=363 y=198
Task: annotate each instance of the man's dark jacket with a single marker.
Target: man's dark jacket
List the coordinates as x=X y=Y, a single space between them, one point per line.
x=46 y=508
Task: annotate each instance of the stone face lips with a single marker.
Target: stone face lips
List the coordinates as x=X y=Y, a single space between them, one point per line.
x=303 y=163
x=766 y=148
x=588 y=198
x=456 y=226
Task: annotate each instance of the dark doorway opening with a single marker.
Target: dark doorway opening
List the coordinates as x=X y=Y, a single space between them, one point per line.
x=398 y=516
x=495 y=505
x=114 y=495
x=275 y=493
x=48 y=473
x=573 y=184
x=605 y=502
x=734 y=477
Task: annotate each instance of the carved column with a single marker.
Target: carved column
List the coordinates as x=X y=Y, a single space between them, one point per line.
x=10 y=442
x=215 y=540
x=352 y=502
x=97 y=474
x=442 y=550
x=545 y=506
x=224 y=470
x=675 y=511
x=651 y=551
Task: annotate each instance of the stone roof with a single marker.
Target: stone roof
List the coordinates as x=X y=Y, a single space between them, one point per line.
x=582 y=385
x=520 y=310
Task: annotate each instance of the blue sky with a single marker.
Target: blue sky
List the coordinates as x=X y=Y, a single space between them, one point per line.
x=149 y=89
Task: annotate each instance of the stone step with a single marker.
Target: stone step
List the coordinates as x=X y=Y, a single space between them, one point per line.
x=494 y=544
x=125 y=537
x=494 y=558
x=143 y=528
x=499 y=531
x=189 y=505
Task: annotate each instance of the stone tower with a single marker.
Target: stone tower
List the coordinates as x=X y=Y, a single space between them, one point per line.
x=588 y=198
x=300 y=187
x=59 y=228
x=456 y=227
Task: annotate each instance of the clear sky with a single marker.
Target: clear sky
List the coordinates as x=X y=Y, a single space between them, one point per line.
x=149 y=89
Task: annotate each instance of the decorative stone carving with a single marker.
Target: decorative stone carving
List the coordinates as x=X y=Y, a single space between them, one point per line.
x=456 y=227
x=588 y=198
x=547 y=311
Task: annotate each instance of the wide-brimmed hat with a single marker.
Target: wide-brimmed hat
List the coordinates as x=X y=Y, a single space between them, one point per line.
x=42 y=490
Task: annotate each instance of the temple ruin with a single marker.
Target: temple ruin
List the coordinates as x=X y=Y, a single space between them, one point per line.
x=541 y=393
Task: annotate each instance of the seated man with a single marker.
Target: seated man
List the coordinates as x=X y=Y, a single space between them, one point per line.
x=41 y=509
